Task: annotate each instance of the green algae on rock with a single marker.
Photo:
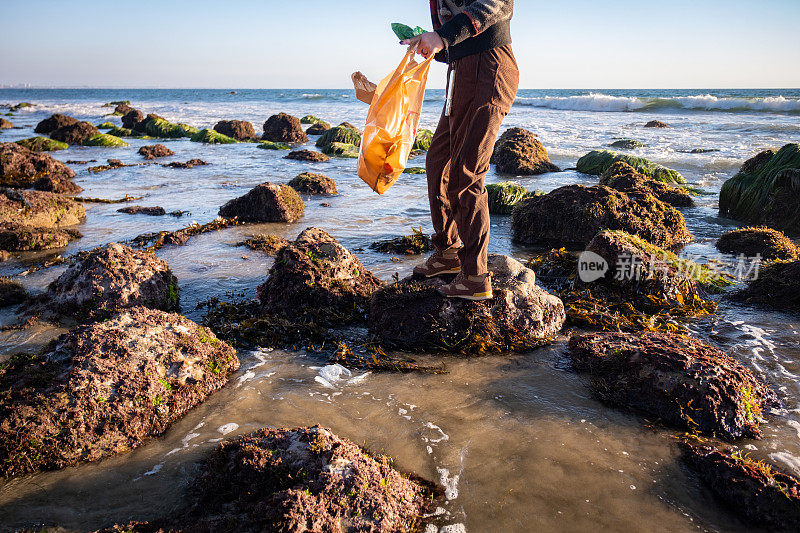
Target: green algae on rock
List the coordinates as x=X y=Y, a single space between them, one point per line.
x=269 y=145
x=104 y=388
x=105 y=126
x=768 y=243
x=209 y=136
x=411 y=314
x=311 y=183
x=42 y=144
x=311 y=119
x=625 y=178
x=423 y=140
x=341 y=150
x=104 y=139
x=766 y=191
x=683 y=381
x=158 y=127
x=123 y=132
x=339 y=134
x=572 y=215
x=415 y=170
x=504 y=196
x=627 y=144
x=598 y=161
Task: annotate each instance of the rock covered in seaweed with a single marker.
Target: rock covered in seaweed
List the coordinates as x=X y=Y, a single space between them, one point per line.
x=5 y=124
x=777 y=286
x=412 y=314
x=104 y=139
x=269 y=244
x=22 y=167
x=268 y=202
x=625 y=178
x=318 y=129
x=519 y=152
x=754 y=490
x=767 y=242
x=317 y=275
x=598 y=161
x=284 y=128
x=574 y=214
x=54 y=122
x=76 y=133
x=299 y=479
x=626 y=144
x=310 y=156
x=105 y=388
x=39 y=208
x=766 y=191
x=15 y=237
x=504 y=196
x=683 y=381
x=133 y=120
x=42 y=144
x=153 y=211
x=110 y=278
x=241 y=130
x=341 y=150
x=311 y=183
x=155 y=151
x=656 y=124
x=339 y=134
x=208 y=136
x=422 y=142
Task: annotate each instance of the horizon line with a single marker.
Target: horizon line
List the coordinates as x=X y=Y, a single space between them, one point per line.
x=133 y=88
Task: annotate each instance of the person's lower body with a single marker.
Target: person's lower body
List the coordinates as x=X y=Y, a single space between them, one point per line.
x=482 y=88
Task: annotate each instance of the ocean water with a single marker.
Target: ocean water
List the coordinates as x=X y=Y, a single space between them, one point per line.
x=518 y=440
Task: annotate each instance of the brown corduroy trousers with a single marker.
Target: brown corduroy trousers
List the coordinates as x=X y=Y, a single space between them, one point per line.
x=482 y=88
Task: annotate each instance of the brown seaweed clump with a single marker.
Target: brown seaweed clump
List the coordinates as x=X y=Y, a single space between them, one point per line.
x=625 y=178
x=21 y=167
x=316 y=272
x=681 y=380
x=574 y=214
x=300 y=479
x=411 y=314
x=519 y=152
x=270 y=244
x=105 y=388
x=414 y=244
x=754 y=490
x=268 y=202
x=312 y=183
x=767 y=242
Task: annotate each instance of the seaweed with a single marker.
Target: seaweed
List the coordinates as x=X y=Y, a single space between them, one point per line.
x=598 y=161
x=504 y=196
x=269 y=145
x=339 y=134
x=311 y=119
x=104 y=139
x=155 y=241
x=422 y=142
x=414 y=244
x=209 y=136
x=116 y=131
x=341 y=150
x=42 y=144
x=158 y=127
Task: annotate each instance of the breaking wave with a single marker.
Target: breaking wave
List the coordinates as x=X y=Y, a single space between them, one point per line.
x=704 y=102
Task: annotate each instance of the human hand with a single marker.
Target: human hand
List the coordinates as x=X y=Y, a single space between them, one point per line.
x=429 y=43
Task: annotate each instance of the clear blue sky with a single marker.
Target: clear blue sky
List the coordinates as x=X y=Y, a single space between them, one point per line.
x=318 y=43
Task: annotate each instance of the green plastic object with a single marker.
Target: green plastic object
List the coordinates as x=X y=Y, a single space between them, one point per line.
x=404 y=32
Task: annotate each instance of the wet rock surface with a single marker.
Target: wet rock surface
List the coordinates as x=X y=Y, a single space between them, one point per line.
x=766 y=191
x=16 y=237
x=318 y=129
x=769 y=243
x=681 y=380
x=572 y=216
x=310 y=156
x=39 y=208
x=656 y=124
x=756 y=491
x=189 y=164
x=133 y=120
x=155 y=151
x=110 y=278
x=519 y=152
x=411 y=314
x=22 y=167
x=623 y=177
x=5 y=124
x=311 y=183
x=268 y=202
x=269 y=244
x=284 y=128
x=300 y=479
x=11 y=292
x=105 y=388
x=240 y=130
x=317 y=275
x=54 y=122
x=76 y=133
x=777 y=286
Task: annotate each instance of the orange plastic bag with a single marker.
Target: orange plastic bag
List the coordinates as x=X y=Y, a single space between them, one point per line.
x=392 y=123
